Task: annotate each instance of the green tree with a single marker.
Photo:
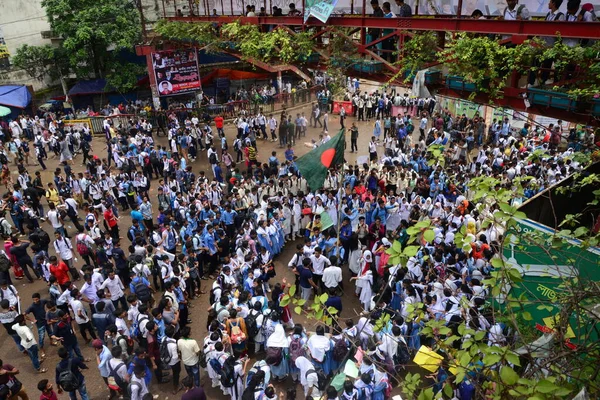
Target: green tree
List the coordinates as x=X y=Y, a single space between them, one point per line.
x=41 y=62
x=92 y=31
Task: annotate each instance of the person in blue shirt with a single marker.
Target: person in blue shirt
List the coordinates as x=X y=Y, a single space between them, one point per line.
x=142 y=358
x=211 y=248
x=157 y=314
x=218 y=173
x=289 y=153
x=228 y=218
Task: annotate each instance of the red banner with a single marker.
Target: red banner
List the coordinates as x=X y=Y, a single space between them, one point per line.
x=176 y=71
x=346 y=104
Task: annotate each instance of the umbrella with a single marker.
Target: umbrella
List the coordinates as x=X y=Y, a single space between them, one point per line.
x=4 y=111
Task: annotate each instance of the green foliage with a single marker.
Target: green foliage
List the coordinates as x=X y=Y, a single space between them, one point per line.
x=479 y=60
x=123 y=76
x=42 y=61
x=418 y=51
x=89 y=28
x=247 y=39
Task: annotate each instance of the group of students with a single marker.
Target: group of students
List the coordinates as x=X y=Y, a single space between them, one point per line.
x=231 y=228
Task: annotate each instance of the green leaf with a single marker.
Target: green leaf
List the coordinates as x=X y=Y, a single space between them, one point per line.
x=285 y=300
x=298 y=310
x=323 y=298
x=429 y=235
x=491 y=359
x=292 y=291
x=513 y=359
x=301 y=302
x=448 y=391
x=545 y=386
x=410 y=251
x=332 y=310
x=508 y=375
x=396 y=246
x=526 y=316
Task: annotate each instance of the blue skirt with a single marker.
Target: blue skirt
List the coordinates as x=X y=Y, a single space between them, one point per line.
x=282 y=370
x=264 y=242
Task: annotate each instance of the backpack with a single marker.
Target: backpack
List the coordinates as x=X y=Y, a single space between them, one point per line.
x=237 y=145
x=274 y=356
x=519 y=10
x=211 y=297
x=340 y=350
x=153 y=157
x=142 y=291
x=137 y=332
x=113 y=376
x=251 y=325
x=322 y=378
x=68 y=380
x=12 y=289
x=202 y=361
x=237 y=334
x=225 y=371
x=212 y=158
x=165 y=355
x=556 y=17
x=296 y=349
x=129 y=343
x=4 y=264
x=131 y=385
x=82 y=247
x=402 y=356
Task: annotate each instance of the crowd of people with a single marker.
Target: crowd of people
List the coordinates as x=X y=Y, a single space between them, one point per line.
x=219 y=234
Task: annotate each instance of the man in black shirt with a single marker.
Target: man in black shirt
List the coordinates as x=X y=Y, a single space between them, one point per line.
x=374 y=34
x=63 y=332
x=19 y=250
x=38 y=309
x=76 y=364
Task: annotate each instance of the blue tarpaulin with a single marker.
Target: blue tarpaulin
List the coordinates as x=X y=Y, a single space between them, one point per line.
x=94 y=86
x=15 y=96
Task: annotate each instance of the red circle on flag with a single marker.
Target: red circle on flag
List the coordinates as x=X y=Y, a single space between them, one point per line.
x=327 y=157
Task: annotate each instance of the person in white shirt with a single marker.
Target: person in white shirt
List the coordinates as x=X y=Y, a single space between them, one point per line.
x=332 y=277
x=318 y=262
x=28 y=342
x=64 y=249
x=138 y=384
x=81 y=316
x=174 y=363
x=10 y=293
x=115 y=287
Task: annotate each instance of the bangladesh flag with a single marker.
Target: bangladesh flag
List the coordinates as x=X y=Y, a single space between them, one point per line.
x=314 y=165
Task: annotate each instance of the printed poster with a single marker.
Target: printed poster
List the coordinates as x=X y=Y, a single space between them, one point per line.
x=176 y=71
x=320 y=9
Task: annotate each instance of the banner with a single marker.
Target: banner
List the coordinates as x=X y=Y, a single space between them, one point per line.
x=176 y=71
x=320 y=9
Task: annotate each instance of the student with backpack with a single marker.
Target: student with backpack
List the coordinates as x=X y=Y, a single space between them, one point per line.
x=138 y=388
x=68 y=375
x=169 y=356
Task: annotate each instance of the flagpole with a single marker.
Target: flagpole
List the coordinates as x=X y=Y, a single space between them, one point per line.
x=340 y=180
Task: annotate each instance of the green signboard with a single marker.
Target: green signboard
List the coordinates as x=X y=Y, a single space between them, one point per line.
x=544 y=269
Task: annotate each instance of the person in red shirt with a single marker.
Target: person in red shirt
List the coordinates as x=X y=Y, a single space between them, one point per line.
x=112 y=222
x=48 y=393
x=219 y=125
x=60 y=271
